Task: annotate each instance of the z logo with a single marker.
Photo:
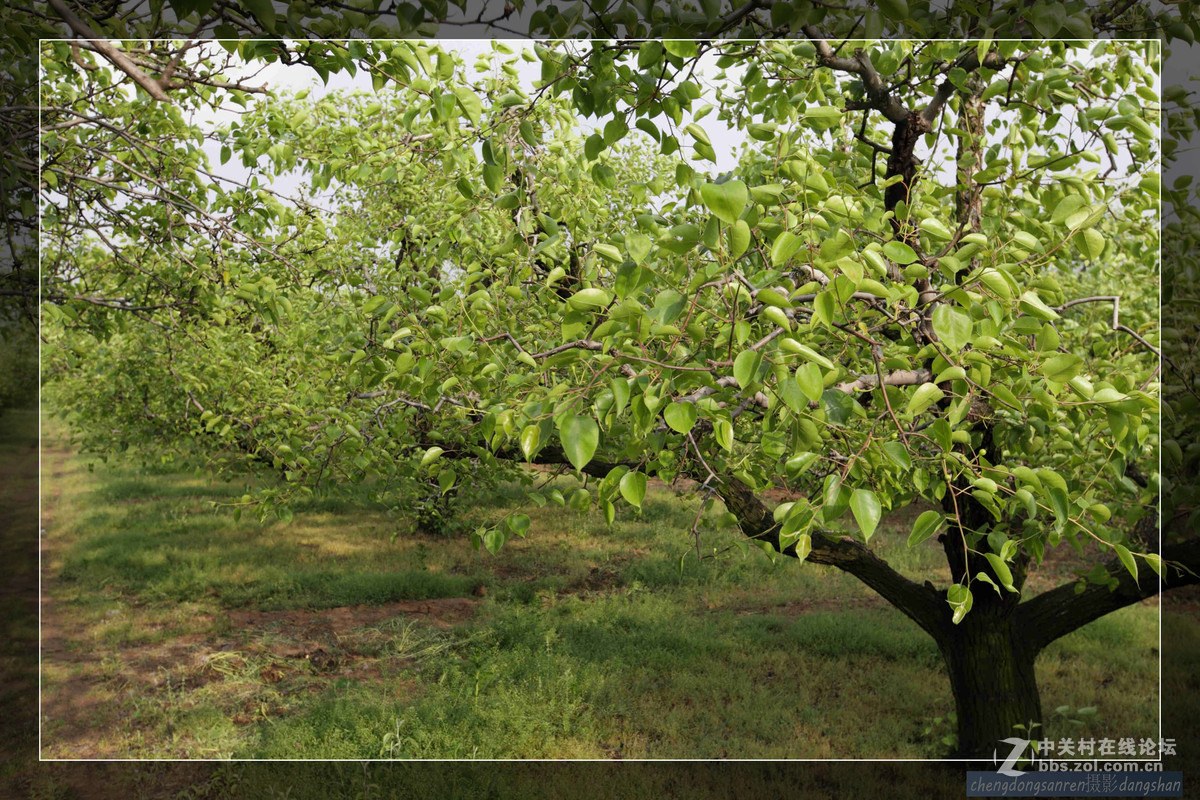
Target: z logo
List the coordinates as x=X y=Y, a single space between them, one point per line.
x=1008 y=767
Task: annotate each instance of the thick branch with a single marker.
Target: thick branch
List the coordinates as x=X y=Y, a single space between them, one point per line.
x=554 y=455
x=113 y=54
x=902 y=377
x=1056 y=613
x=861 y=66
x=968 y=62
x=921 y=604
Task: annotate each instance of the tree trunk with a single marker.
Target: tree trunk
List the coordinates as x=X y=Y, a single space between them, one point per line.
x=993 y=681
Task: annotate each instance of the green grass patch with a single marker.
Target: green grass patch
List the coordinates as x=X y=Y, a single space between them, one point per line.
x=580 y=641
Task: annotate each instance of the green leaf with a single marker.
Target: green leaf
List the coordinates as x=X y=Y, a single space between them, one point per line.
x=1090 y=243
x=638 y=245
x=983 y=576
x=683 y=48
x=1048 y=18
x=838 y=406
x=1060 y=503
x=649 y=54
x=950 y=374
x=620 y=390
x=823 y=116
x=1061 y=368
x=493 y=540
x=899 y=252
x=604 y=176
x=697 y=133
x=745 y=368
x=726 y=200
x=953 y=327
x=936 y=229
x=609 y=253
x=792 y=397
x=580 y=436
x=739 y=238
x=898 y=454
x=808 y=378
x=926 y=395
x=803 y=546
x=633 y=488
x=681 y=416
x=1127 y=560
x=590 y=299
x=960 y=600
x=593 y=146
x=723 y=431
x=836 y=497
x=893 y=9
x=431 y=455
x=823 y=308
x=800 y=463
x=866 y=509
x=518 y=524
x=784 y=247
x=1065 y=208
x=763 y=132
x=1001 y=571
x=805 y=352
x=925 y=526
x=580 y=500
x=771 y=297
x=530 y=439
x=995 y=280
x=469 y=102
x=263 y=11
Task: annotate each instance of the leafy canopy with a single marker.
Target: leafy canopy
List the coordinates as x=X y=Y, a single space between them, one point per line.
x=482 y=274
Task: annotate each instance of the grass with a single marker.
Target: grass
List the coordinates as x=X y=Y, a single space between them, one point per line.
x=178 y=632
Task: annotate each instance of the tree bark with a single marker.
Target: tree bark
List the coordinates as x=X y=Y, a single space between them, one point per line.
x=1060 y=611
x=993 y=681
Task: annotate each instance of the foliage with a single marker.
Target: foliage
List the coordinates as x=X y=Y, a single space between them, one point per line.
x=18 y=366
x=541 y=310
x=478 y=279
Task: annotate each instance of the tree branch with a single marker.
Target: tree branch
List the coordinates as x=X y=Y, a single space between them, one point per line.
x=969 y=62
x=1116 y=321
x=902 y=377
x=860 y=65
x=113 y=54
x=919 y=603
x=1061 y=610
